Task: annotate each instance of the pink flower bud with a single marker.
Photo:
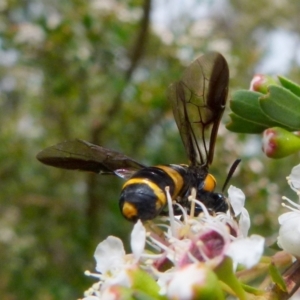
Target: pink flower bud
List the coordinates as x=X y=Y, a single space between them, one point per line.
x=260 y=83
x=278 y=142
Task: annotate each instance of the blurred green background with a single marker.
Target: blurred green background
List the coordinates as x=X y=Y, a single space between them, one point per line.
x=98 y=70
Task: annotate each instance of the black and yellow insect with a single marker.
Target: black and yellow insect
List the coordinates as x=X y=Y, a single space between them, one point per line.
x=198 y=101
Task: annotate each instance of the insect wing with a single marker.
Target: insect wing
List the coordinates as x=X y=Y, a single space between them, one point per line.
x=84 y=156
x=198 y=102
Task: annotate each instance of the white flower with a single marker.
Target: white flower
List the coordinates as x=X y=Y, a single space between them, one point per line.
x=112 y=262
x=237 y=198
x=30 y=33
x=243 y=250
x=289 y=231
x=109 y=255
x=191 y=248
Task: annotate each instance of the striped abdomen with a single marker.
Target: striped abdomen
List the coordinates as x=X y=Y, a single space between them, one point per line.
x=143 y=195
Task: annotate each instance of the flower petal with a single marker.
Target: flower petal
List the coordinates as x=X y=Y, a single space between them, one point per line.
x=248 y=251
x=289 y=233
x=138 y=239
x=237 y=199
x=183 y=283
x=244 y=222
x=109 y=254
x=285 y=217
x=194 y=281
x=295 y=177
x=121 y=279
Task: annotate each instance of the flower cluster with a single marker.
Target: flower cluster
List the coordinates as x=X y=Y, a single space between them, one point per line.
x=203 y=257
x=179 y=258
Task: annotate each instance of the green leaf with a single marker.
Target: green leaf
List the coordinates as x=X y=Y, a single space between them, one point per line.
x=276 y=277
x=246 y=105
x=290 y=85
x=138 y=295
x=240 y=125
x=144 y=283
x=225 y=273
x=129 y=293
x=282 y=106
x=252 y=290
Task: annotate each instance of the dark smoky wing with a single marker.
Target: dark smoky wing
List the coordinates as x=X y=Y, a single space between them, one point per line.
x=84 y=156
x=198 y=102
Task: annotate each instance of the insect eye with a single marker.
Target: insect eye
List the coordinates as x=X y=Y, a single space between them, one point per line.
x=209 y=183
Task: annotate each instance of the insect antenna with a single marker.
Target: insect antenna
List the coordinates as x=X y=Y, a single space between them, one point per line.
x=230 y=173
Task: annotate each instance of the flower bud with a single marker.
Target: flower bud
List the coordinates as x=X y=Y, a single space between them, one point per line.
x=260 y=83
x=278 y=142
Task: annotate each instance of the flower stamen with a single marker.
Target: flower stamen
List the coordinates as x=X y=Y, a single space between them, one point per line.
x=296 y=206
x=171 y=211
x=193 y=204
